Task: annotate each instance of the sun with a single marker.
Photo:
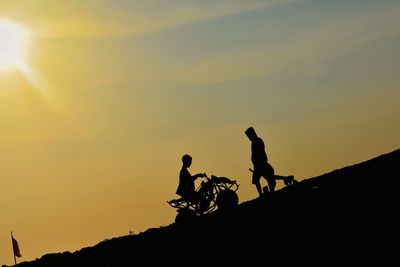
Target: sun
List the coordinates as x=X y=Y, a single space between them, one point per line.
x=13 y=44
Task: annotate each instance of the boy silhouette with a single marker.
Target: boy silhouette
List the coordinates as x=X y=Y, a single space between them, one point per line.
x=186 y=188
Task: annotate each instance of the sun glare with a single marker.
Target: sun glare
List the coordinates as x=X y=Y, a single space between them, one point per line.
x=13 y=41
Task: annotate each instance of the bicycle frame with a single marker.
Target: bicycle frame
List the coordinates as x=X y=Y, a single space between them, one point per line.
x=208 y=191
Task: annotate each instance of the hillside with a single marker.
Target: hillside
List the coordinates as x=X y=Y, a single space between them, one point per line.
x=345 y=215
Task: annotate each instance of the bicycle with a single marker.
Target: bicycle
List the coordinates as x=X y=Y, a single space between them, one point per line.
x=214 y=193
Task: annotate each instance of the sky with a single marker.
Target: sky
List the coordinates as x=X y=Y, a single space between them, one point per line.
x=112 y=93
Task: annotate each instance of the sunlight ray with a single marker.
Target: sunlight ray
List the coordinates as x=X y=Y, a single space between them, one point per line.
x=15 y=44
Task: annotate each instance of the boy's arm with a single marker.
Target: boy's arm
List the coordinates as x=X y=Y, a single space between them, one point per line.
x=198 y=175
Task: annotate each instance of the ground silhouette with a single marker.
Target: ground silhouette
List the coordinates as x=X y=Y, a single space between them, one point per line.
x=347 y=216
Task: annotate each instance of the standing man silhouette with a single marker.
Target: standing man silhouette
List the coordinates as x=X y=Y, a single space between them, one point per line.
x=261 y=165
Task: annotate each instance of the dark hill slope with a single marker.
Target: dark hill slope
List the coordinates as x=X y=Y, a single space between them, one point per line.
x=343 y=217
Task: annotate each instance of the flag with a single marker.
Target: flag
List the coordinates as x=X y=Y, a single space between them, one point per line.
x=15 y=248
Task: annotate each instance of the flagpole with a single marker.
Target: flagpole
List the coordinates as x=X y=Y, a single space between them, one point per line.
x=15 y=259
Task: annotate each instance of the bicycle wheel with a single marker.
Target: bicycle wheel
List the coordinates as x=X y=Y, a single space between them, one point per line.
x=227 y=199
x=185 y=216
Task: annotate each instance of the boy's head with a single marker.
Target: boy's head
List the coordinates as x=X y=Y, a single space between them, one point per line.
x=251 y=133
x=187 y=160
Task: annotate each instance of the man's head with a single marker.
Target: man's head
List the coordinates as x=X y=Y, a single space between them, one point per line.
x=251 y=133
x=187 y=160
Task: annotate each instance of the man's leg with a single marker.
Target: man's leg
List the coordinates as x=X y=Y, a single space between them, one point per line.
x=268 y=173
x=271 y=183
x=256 y=181
x=258 y=186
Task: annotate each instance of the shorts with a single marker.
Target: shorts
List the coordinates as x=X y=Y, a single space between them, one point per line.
x=267 y=171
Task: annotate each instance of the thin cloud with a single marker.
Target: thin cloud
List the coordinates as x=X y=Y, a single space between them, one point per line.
x=95 y=19
x=304 y=52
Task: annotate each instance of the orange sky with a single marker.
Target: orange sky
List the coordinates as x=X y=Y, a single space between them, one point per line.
x=108 y=95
